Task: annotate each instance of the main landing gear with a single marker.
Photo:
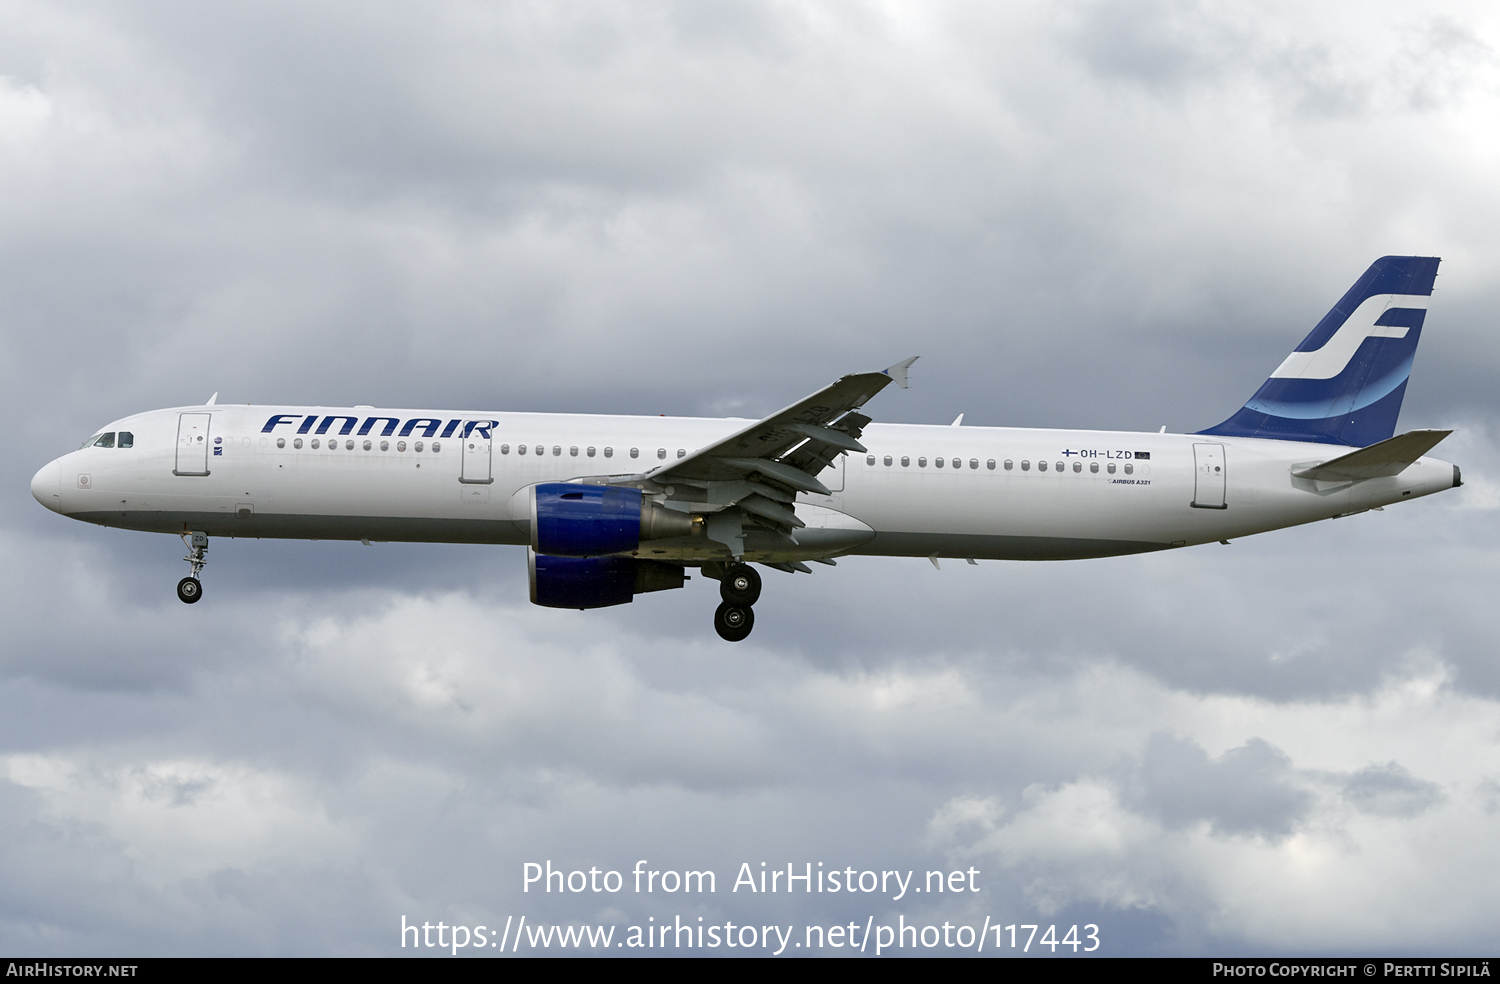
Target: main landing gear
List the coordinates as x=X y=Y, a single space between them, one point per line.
x=739 y=586
x=190 y=589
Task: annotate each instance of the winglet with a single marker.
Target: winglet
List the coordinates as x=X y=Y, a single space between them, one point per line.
x=898 y=371
x=211 y=399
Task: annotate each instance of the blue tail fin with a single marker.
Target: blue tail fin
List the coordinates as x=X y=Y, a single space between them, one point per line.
x=1344 y=383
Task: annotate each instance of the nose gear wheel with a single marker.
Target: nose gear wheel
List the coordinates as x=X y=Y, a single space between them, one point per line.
x=189 y=589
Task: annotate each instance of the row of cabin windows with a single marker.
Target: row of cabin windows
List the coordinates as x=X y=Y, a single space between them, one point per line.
x=437 y=447
x=1008 y=465
x=557 y=450
x=333 y=445
x=126 y=440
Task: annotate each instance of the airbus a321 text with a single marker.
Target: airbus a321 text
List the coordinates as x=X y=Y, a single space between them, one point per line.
x=613 y=506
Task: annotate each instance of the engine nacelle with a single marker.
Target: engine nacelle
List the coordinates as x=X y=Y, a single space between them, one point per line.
x=569 y=520
x=596 y=582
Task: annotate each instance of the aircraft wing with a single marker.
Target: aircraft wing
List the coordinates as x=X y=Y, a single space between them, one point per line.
x=791 y=446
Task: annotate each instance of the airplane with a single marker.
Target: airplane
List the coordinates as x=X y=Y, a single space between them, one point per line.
x=610 y=507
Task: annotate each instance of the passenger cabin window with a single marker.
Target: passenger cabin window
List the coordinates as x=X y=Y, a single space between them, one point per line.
x=905 y=461
x=1077 y=466
x=974 y=463
x=869 y=459
x=557 y=450
x=1025 y=465
x=297 y=443
x=367 y=445
x=1094 y=467
x=401 y=446
x=609 y=452
x=105 y=440
x=939 y=462
x=281 y=442
x=573 y=452
x=1007 y=464
x=417 y=447
x=539 y=449
x=385 y=445
x=635 y=452
x=520 y=449
x=315 y=444
x=1040 y=465
x=922 y=462
x=681 y=452
x=127 y=440
x=436 y=447
x=958 y=463
x=888 y=461
x=590 y=452
x=1110 y=467
x=349 y=445
x=661 y=452
x=1129 y=468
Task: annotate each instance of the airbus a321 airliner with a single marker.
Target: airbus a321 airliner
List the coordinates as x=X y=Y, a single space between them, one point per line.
x=610 y=507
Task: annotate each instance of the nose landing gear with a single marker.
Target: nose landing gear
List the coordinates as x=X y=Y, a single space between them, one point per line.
x=739 y=587
x=190 y=589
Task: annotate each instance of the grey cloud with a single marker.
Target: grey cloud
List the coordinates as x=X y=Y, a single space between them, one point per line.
x=1390 y=791
x=1247 y=790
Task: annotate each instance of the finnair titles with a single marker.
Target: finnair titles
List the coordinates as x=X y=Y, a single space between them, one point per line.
x=610 y=507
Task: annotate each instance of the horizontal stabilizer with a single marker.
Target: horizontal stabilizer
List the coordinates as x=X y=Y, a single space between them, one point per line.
x=1389 y=457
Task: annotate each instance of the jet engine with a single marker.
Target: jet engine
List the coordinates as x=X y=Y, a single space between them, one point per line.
x=569 y=520
x=596 y=582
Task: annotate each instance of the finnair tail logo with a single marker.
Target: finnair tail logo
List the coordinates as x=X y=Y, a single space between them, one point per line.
x=1381 y=316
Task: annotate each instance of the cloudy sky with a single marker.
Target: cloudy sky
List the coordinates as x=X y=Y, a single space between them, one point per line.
x=1079 y=214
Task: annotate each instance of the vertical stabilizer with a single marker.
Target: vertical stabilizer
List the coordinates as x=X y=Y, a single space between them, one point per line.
x=1345 y=382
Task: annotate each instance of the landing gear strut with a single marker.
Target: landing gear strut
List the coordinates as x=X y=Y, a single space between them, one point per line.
x=739 y=586
x=190 y=589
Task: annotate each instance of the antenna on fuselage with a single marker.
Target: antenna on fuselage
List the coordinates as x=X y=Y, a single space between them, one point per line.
x=210 y=401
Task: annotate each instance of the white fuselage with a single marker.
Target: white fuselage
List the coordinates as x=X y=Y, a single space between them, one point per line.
x=1115 y=493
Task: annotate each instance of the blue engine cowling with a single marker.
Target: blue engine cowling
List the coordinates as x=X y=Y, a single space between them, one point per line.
x=571 y=520
x=596 y=582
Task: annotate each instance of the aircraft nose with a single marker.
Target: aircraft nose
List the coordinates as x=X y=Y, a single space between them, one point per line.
x=46 y=486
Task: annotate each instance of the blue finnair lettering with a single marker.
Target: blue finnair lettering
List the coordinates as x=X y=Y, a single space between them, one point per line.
x=278 y=420
x=390 y=427
x=426 y=426
x=328 y=421
x=482 y=426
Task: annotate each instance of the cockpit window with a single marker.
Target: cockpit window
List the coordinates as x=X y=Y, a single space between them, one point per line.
x=105 y=440
x=127 y=440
